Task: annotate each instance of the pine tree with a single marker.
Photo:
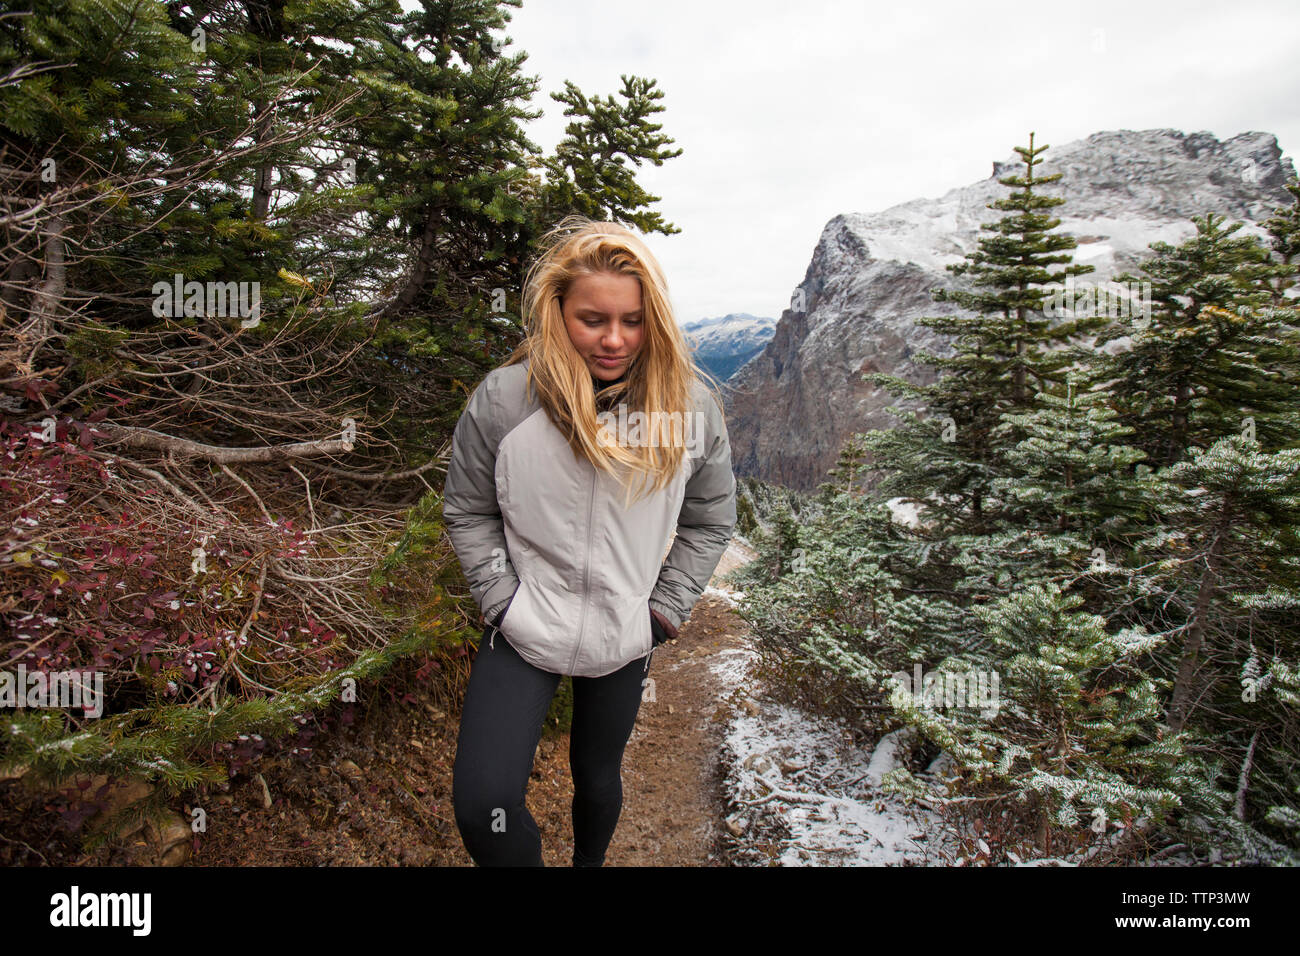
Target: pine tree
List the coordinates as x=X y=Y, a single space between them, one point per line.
x=1072 y=725
x=843 y=478
x=1230 y=562
x=1073 y=468
x=1003 y=354
x=1073 y=509
x=836 y=604
x=588 y=173
x=1284 y=229
x=1212 y=355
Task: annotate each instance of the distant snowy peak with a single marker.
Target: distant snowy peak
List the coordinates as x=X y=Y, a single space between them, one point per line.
x=737 y=326
x=726 y=343
x=1124 y=189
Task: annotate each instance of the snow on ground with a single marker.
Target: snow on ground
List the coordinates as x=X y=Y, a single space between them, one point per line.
x=793 y=780
x=727 y=595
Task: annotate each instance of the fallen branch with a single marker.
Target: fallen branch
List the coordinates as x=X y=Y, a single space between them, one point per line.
x=183 y=448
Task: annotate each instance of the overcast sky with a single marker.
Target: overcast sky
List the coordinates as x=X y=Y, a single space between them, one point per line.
x=791 y=113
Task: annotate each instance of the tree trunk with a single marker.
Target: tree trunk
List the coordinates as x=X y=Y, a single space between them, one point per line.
x=1179 y=707
x=266 y=22
x=419 y=271
x=49 y=294
x=1243 y=781
x=1178 y=438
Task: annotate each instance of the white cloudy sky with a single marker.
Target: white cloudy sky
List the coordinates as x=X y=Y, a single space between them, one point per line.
x=789 y=113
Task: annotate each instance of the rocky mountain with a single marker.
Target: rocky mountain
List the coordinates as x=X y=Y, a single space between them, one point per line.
x=724 y=344
x=790 y=408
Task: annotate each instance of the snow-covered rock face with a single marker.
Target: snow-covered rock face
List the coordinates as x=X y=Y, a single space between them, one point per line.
x=790 y=408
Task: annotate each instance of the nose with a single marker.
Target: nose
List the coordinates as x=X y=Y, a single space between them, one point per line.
x=612 y=340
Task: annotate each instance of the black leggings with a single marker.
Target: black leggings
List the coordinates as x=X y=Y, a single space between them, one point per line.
x=505 y=705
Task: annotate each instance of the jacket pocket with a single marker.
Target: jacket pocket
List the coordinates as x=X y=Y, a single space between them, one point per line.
x=542 y=625
x=626 y=635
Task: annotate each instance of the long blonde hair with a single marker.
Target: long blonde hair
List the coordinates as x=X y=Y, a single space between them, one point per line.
x=659 y=379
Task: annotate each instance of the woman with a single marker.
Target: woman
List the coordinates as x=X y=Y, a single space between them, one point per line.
x=560 y=507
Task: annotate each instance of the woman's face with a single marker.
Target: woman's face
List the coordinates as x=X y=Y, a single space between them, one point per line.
x=605 y=320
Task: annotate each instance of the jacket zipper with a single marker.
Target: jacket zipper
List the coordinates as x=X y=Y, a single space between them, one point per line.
x=586 y=574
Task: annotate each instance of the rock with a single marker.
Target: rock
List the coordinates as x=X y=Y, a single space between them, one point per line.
x=349 y=770
x=266 y=792
x=169 y=842
x=941 y=766
x=759 y=763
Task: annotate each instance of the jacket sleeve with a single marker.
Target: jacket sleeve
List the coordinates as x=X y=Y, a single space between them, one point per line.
x=704 y=526
x=469 y=505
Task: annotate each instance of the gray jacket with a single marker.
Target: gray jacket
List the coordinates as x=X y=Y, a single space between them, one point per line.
x=536 y=527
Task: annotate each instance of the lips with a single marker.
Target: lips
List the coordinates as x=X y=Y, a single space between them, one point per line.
x=609 y=362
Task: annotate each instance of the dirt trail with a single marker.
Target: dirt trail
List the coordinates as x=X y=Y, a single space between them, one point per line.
x=672 y=802
x=672 y=808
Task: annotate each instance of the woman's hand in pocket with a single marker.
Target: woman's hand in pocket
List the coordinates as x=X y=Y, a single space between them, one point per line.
x=660 y=628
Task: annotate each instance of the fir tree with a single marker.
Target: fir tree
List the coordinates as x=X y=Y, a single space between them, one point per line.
x=1003 y=354
x=1072 y=726
x=1284 y=229
x=1073 y=467
x=589 y=174
x=1230 y=562
x=1074 y=507
x=848 y=468
x=1212 y=354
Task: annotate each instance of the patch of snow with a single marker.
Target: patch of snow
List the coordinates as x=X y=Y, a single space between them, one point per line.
x=732 y=665
x=793 y=780
x=728 y=595
x=794 y=769
x=904 y=512
x=885 y=757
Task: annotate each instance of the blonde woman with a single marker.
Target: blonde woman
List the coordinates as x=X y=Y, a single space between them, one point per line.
x=572 y=465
